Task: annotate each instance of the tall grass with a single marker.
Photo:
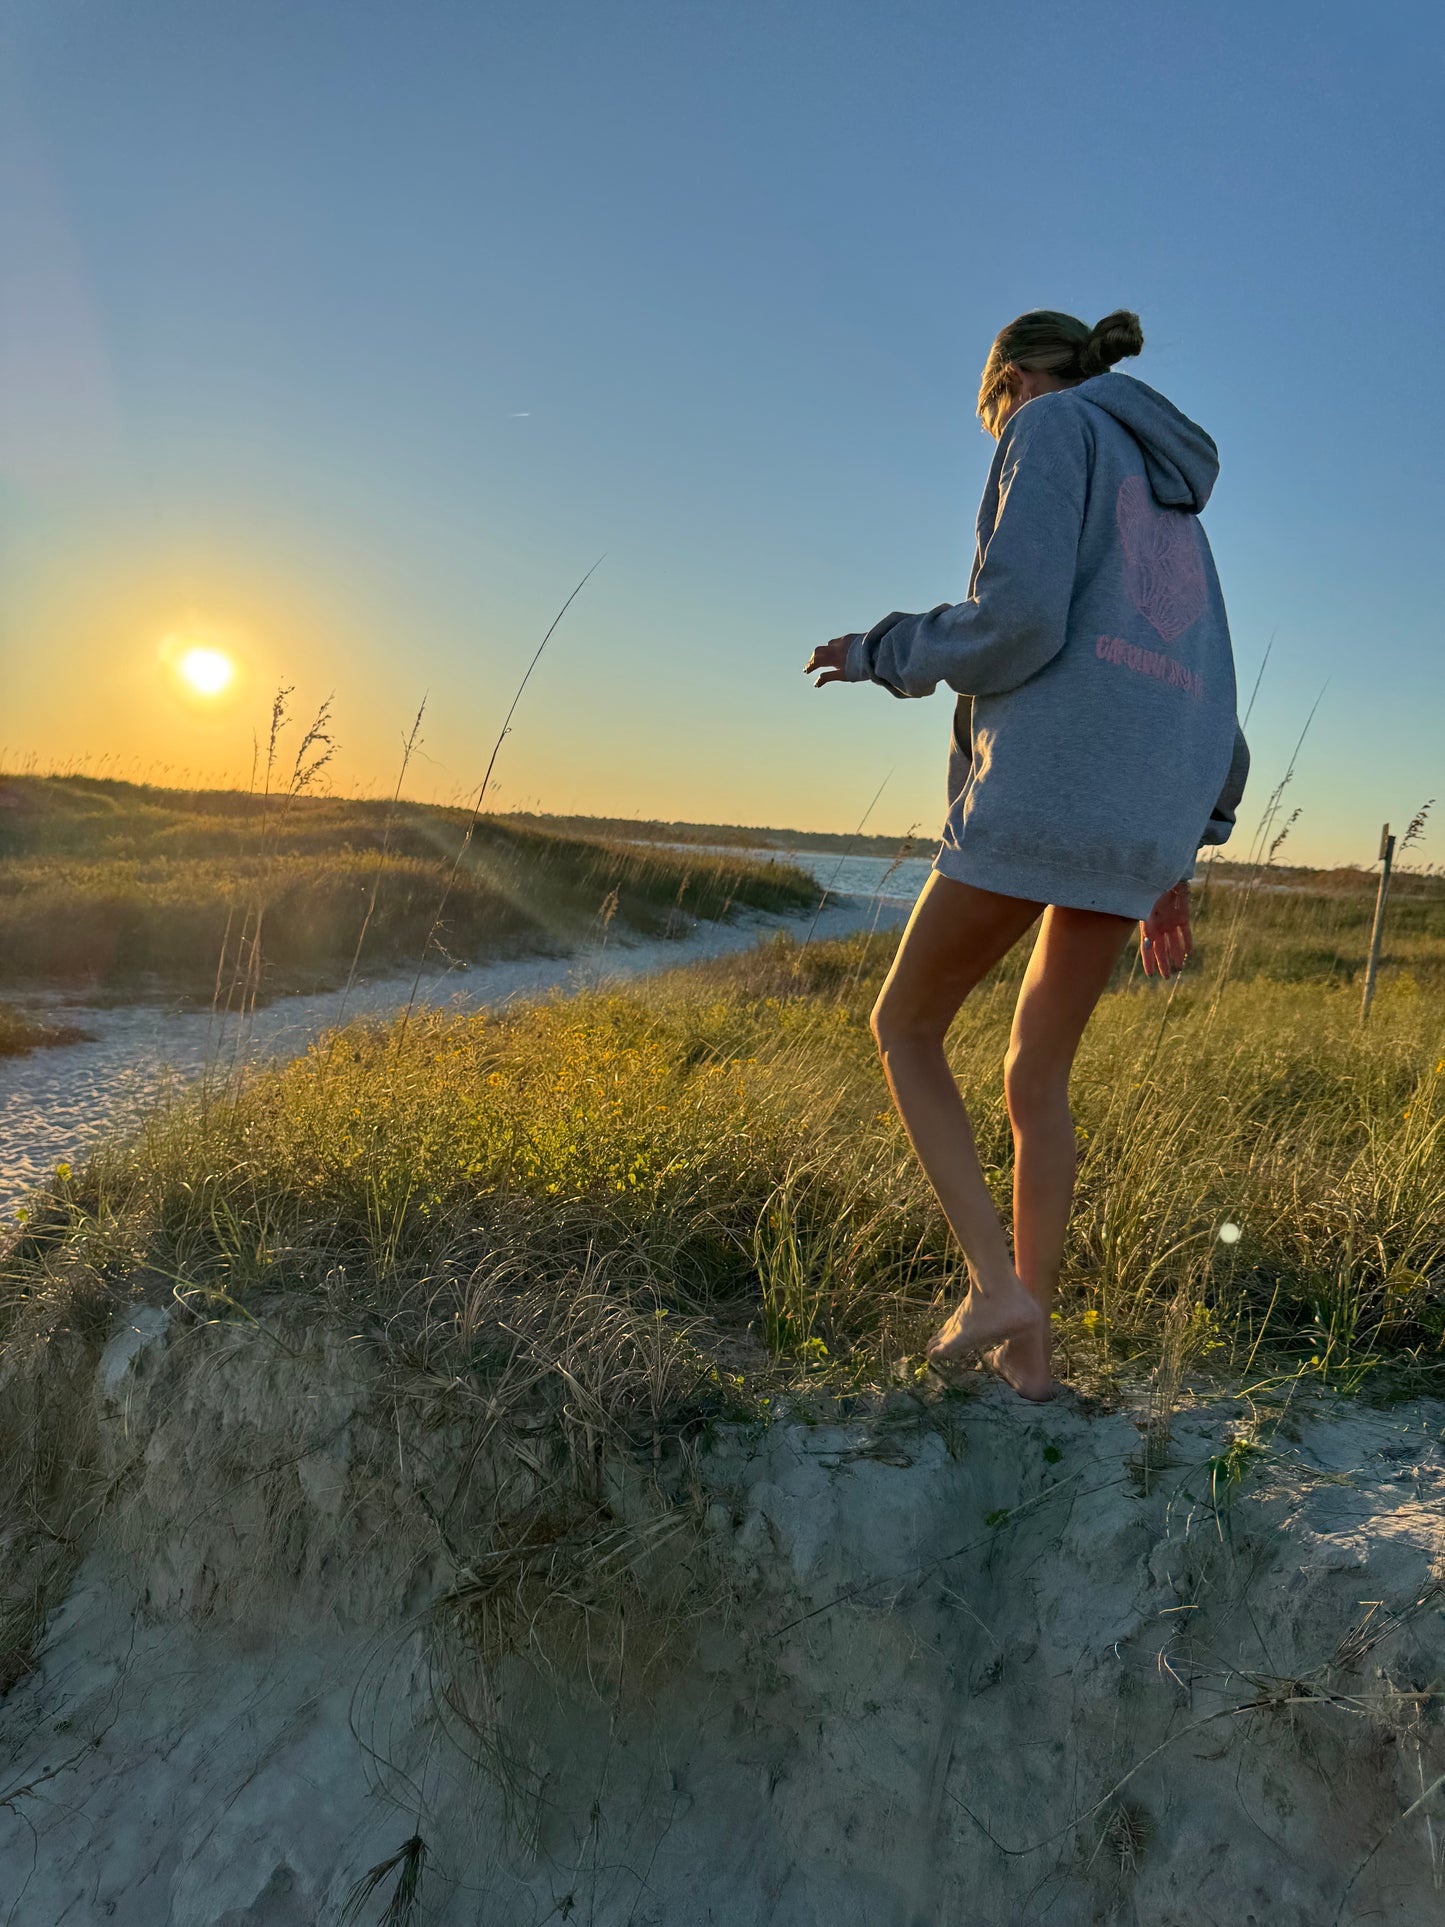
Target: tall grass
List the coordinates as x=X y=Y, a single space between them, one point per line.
x=106 y=887
x=1306 y=927
x=719 y=1142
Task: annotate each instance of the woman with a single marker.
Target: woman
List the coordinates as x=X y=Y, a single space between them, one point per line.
x=1095 y=747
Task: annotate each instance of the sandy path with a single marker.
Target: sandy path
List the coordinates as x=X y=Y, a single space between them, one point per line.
x=56 y=1103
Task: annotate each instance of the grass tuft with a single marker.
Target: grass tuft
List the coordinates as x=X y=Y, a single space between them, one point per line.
x=21 y=1032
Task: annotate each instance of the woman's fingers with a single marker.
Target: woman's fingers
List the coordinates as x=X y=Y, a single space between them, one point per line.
x=1163 y=948
x=1181 y=921
x=1176 y=946
x=1166 y=941
x=831 y=657
x=1183 y=936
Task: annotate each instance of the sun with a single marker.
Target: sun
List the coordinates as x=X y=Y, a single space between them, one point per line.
x=207 y=671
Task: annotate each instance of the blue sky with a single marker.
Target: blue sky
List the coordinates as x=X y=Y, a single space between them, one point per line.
x=347 y=336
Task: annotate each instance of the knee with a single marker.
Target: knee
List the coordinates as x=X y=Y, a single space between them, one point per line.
x=897 y=1022
x=881 y=1022
x=1034 y=1082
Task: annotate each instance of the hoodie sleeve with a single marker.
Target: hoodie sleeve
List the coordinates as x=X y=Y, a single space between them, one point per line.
x=1013 y=623
x=1221 y=817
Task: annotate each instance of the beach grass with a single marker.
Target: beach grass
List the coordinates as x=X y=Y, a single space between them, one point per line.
x=114 y=888
x=1261 y=1189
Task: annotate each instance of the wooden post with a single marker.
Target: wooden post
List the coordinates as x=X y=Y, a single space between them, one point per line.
x=1387 y=857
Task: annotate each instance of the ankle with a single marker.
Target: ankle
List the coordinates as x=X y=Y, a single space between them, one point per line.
x=996 y=1282
x=1042 y=1293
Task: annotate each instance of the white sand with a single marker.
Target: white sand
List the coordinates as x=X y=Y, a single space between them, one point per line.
x=956 y=1665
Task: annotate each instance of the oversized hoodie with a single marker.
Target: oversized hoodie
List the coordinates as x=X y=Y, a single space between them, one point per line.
x=1095 y=741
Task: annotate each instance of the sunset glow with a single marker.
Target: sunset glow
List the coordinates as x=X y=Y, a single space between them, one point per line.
x=385 y=497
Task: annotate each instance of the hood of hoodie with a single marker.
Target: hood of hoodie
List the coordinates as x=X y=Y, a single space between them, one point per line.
x=1180 y=460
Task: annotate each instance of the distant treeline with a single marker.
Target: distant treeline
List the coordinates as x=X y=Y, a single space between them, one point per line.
x=731 y=836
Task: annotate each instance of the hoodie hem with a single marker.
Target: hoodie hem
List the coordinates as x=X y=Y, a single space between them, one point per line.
x=1116 y=896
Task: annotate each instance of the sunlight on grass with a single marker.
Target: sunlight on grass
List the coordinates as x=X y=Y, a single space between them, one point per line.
x=109 y=886
x=1257 y=1176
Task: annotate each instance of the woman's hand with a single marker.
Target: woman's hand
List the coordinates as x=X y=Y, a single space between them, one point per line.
x=831 y=658
x=1165 y=939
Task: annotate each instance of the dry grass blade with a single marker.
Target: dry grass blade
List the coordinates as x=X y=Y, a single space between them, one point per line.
x=408 y=1863
x=408 y=750
x=482 y=792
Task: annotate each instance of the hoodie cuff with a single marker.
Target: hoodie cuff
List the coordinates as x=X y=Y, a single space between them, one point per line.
x=855 y=667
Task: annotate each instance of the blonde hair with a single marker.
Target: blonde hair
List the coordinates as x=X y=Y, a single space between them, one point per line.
x=1051 y=343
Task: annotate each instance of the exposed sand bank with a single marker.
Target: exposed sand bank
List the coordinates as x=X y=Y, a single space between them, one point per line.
x=962 y=1661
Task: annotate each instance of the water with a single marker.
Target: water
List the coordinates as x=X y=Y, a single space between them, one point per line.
x=877 y=879
x=873 y=877
x=55 y=1103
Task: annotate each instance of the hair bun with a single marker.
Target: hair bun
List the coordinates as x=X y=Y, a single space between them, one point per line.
x=1111 y=340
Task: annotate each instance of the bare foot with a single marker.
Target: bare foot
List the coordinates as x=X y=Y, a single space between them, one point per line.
x=1023 y=1363
x=985 y=1320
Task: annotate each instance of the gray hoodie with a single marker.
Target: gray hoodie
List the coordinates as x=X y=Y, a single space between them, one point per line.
x=1100 y=746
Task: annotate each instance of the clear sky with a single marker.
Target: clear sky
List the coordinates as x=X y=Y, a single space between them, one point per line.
x=344 y=336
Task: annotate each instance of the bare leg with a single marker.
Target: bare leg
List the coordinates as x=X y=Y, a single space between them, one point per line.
x=1067 y=974
x=954 y=938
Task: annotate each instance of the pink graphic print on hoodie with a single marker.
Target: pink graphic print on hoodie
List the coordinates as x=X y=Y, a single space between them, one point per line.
x=1163 y=569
